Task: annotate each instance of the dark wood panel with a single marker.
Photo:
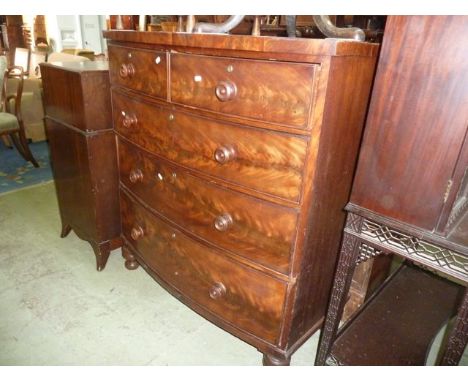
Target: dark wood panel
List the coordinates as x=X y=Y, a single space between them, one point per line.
x=270 y=91
x=244 y=297
x=63 y=103
x=260 y=231
x=102 y=151
x=266 y=161
x=72 y=177
x=417 y=119
x=142 y=70
x=68 y=89
x=96 y=87
x=348 y=90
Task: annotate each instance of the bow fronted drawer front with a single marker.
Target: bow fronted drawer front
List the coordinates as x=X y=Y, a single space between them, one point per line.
x=139 y=69
x=237 y=294
x=270 y=91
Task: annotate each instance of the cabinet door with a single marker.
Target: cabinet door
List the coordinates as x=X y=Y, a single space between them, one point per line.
x=454 y=219
x=417 y=119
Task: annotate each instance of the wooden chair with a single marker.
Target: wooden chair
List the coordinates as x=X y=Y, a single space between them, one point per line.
x=11 y=123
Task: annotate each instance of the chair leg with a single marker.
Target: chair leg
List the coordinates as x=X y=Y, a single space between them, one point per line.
x=16 y=142
x=6 y=142
x=341 y=283
x=26 y=152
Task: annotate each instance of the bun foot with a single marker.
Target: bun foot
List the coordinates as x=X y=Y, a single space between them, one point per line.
x=130 y=261
x=131 y=264
x=274 y=360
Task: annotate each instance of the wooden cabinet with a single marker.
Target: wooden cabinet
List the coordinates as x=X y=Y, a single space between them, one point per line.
x=409 y=196
x=83 y=152
x=236 y=155
x=418 y=124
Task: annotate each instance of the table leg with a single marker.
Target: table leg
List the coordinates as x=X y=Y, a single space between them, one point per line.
x=458 y=337
x=341 y=283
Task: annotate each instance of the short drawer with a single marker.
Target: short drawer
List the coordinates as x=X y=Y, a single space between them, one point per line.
x=138 y=69
x=242 y=296
x=258 y=230
x=266 y=161
x=270 y=91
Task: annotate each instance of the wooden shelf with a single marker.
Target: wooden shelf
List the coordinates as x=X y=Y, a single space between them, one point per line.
x=398 y=323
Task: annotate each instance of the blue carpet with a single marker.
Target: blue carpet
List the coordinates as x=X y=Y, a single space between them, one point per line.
x=16 y=173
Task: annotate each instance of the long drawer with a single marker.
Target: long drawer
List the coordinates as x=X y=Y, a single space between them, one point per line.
x=258 y=230
x=270 y=91
x=266 y=161
x=139 y=69
x=244 y=297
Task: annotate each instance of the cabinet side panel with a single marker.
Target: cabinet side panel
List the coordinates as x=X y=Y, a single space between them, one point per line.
x=347 y=96
x=97 y=100
x=105 y=183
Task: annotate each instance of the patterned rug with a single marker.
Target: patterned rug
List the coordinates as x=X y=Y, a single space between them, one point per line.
x=16 y=173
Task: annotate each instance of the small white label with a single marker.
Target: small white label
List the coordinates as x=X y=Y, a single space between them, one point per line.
x=160 y=176
x=197 y=78
x=157 y=60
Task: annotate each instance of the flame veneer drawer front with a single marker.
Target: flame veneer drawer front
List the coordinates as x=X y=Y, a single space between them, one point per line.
x=270 y=91
x=242 y=296
x=258 y=230
x=138 y=69
x=262 y=160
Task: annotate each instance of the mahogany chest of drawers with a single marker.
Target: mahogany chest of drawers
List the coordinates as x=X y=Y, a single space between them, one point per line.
x=236 y=156
x=83 y=152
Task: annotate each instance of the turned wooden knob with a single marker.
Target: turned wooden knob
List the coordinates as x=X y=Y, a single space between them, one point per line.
x=225 y=91
x=218 y=290
x=136 y=176
x=129 y=120
x=223 y=222
x=126 y=70
x=225 y=154
x=137 y=233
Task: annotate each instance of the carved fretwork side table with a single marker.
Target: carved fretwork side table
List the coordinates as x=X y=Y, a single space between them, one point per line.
x=367 y=235
x=409 y=199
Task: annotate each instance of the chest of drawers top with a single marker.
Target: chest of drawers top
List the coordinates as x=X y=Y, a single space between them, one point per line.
x=305 y=50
